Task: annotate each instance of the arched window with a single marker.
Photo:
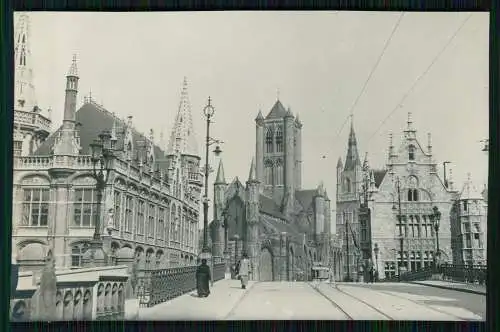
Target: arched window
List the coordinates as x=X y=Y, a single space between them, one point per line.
x=411 y=152
x=410 y=195
x=172 y=221
x=268 y=170
x=415 y=195
x=347 y=185
x=279 y=140
x=278 y=171
x=269 y=140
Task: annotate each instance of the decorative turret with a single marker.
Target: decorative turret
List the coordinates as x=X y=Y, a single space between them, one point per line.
x=252 y=216
x=24 y=90
x=289 y=192
x=67 y=142
x=219 y=206
x=410 y=132
x=319 y=211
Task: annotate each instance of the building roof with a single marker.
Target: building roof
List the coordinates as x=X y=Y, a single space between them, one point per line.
x=305 y=197
x=94 y=119
x=269 y=206
x=470 y=191
x=277 y=112
x=278 y=227
x=379 y=175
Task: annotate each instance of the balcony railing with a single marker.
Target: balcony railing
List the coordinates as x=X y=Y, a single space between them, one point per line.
x=158 y=286
x=31 y=119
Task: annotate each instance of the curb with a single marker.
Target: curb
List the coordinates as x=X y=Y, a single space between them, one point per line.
x=464 y=290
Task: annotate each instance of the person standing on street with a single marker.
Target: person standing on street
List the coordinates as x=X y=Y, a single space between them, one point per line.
x=203 y=278
x=244 y=271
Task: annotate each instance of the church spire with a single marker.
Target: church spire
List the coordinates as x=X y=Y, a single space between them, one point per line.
x=24 y=90
x=251 y=175
x=352 y=158
x=220 y=174
x=183 y=136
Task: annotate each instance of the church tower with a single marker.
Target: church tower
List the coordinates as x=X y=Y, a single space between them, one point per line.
x=182 y=151
x=252 y=218
x=279 y=155
x=31 y=128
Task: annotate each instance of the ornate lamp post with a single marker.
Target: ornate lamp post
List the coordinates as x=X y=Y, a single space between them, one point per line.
x=400 y=220
x=225 y=224
x=436 y=218
x=375 y=251
x=102 y=157
x=209 y=112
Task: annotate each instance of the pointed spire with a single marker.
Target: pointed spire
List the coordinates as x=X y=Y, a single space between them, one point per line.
x=410 y=121
x=289 y=112
x=114 y=129
x=339 y=163
x=251 y=176
x=220 y=179
x=151 y=135
x=73 y=69
x=352 y=158
x=183 y=135
x=24 y=89
x=366 y=166
x=429 y=143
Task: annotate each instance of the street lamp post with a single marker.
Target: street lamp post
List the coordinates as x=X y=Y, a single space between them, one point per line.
x=375 y=251
x=102 y=156
x=400 y=220
x=348 y=277
x=225 y=225
x=209 y=112
x=436 y=218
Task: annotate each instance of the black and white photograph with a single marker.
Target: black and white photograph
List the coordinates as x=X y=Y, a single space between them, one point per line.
x=250 y=165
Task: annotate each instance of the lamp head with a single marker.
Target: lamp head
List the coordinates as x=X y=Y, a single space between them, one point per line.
x=217 y=150
x=209 y=110
x=96 y=149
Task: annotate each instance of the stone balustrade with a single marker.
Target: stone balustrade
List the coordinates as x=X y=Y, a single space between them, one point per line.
x=32 y=119
x=81 y=294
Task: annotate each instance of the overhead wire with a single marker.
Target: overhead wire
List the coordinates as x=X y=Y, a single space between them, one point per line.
x=374 y=67
x=399 y=104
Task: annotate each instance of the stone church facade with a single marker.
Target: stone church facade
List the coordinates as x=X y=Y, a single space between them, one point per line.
x=150 y=203
x=282 y=227
x=420 y=189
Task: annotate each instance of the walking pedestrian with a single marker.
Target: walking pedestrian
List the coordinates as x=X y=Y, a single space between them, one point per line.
x=202 y=279
x=244 y=270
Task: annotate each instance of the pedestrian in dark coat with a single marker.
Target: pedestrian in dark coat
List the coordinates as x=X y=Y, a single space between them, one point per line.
x=202 y=279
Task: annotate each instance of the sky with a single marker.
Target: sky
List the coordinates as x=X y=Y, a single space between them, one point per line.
x=134 y=64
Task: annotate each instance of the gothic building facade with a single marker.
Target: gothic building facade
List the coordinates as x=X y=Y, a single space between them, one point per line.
x=150 y=203
x=397 y=205
x=282 y=227
x=31 y=125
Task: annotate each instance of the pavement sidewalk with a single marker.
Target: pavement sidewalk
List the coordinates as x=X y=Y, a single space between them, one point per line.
x=458 y=286
x=224 y=296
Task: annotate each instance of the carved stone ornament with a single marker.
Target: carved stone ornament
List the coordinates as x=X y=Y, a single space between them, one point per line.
x=35 y=180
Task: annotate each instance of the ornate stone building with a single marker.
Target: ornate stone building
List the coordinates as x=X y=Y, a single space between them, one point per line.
x=150 y=203
x=469 y=226
x=31 y=127
x=282 y=227
x=420 y=188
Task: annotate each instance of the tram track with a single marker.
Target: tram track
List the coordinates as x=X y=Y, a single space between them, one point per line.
x=335 y=304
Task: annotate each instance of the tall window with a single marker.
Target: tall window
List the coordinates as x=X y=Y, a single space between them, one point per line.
x=411 y=152
x=279 y=172
x=167 y=223
x=173 y=221
x=418 y=230
x=269 y=140
x=151 y=220
x=279 y=140
x=465 y=206
x=85 y=207
x=412 y=195
x=36 y=206
x=161 y=223
x=118 y=209
x=129 y=213
x=268 y=169
x=77 y=252
x=140 y=216
x=390 y=269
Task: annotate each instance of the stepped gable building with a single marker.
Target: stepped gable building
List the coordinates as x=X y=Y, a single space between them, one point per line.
x=281 y=226
x=376 y=223
x=31 y=125
x=469 y=226
x=150 y=203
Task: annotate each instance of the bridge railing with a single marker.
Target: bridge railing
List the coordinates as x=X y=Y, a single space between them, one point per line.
x=160 y=285
x=451 y=272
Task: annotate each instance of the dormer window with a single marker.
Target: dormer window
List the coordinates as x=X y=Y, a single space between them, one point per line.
x=411 y=152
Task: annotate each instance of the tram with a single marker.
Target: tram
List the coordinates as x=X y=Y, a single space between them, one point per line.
x=319 y=272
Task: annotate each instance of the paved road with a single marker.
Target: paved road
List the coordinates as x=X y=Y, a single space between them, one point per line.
x=297 y=301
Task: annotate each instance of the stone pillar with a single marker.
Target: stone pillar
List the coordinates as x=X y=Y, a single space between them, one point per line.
x=44 y=300
x=58 y=225
x=283 y=257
